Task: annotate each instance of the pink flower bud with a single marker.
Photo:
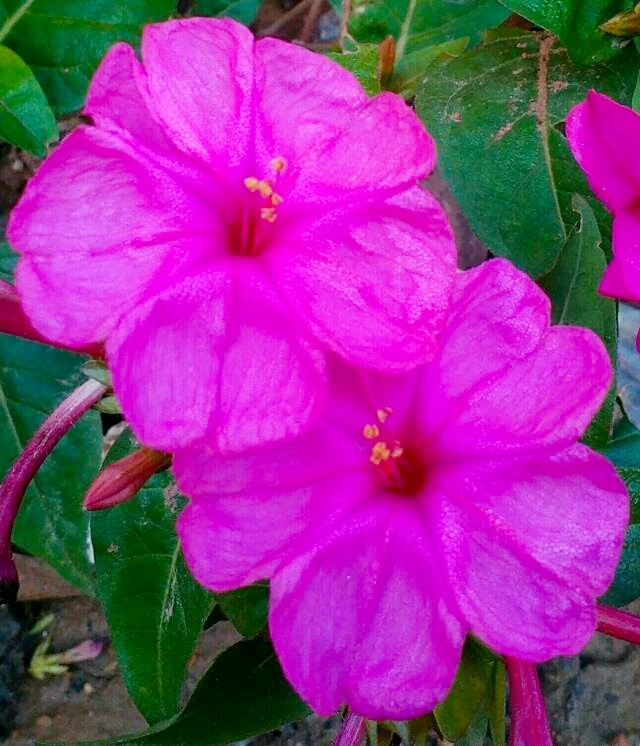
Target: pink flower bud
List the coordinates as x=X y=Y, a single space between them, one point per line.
x=121 y=480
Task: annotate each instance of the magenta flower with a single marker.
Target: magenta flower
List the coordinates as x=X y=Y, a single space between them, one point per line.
x=604 y=137
x=452 y=499
x=237 y=209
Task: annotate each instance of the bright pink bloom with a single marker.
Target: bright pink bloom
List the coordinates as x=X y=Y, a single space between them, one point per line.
x=452 y=499
x=604 y=137
x=236 y=209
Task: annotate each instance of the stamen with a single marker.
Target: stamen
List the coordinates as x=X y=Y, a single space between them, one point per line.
x=268 y=214
x=384 y=413
x=397 y=451
x=278 y=164
x=379 y=453
x=371 y=431
x=276 y=199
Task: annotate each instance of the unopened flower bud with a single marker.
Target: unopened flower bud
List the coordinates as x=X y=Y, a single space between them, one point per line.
x=624 y=24
x=386 y=60
x=122 y=479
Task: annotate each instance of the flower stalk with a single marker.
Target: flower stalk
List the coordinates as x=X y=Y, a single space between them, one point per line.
x=529 y=724
x=619 y=624
x=352 y=731
x=122 y=479
x=19 y=476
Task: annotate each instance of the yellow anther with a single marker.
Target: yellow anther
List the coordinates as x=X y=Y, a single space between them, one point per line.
x=379 y=453
x=370 y=432
x=382 y=414
x=279 y=164
x=268 y=214
x=265 y=189
x=276 y=199
x=251 y=183
x=397 y=451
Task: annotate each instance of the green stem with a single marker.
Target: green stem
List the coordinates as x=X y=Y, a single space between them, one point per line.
x=14 y=18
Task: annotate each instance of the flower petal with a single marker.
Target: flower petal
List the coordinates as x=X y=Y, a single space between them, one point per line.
x=388 y=316
x=527 y=528
x=215 y=356
x=361 y=620
x=622 y=277
x=474 y=403
x=304 y=100
x=317 y=115
x=602 y=135
x=165 y=360
x=252 y=511
x=200 y=81
x=115 y=102
x=98 y=290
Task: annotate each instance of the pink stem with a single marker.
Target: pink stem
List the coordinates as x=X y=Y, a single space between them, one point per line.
x=529 y=724
x=352 y=731
x=25 y=467
x=620 y=624
x=14 y=321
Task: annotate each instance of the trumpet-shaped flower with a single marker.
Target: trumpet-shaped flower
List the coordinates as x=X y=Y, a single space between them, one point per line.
x=235 y=210
x=604 y=137
x=451 y=499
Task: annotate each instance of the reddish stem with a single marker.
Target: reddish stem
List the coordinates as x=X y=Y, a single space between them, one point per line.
x=122 y=479
x=529 y=724
x=352 y=731
x=14 y=321
x=620 y=624
x=25 y=467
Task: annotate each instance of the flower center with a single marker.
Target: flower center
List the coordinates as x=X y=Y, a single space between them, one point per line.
x=259 y=209
x=399 y=468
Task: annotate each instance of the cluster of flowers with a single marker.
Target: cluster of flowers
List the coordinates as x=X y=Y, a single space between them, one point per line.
x=391 y=442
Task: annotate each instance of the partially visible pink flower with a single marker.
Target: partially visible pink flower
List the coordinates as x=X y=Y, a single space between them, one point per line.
x=236 y=209
x=604 y=137
x=452 y=499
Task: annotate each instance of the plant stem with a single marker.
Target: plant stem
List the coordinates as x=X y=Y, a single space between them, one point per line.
x=619 y=624
x=13 y=19
x=19 y=476
x=529 y=724
x=352 y=731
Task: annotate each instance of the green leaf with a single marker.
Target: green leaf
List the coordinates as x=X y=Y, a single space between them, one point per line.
x=363 y=63
x=626 y=584
x=242 y=10
x=63 y=42
x=242 y=694
x=456 y=713
x=572 y=286
x=34 y=379
x=495 y=704
x=495 y=112
x=576 y=23
x=246 y=608
x=8 y=261
x=154 y=608
x=423 y=29
x=624 y=452
x=25 y=117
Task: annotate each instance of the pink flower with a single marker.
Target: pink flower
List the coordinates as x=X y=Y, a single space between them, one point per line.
x=452 y=499
x=237 y=209
x=604 y=137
